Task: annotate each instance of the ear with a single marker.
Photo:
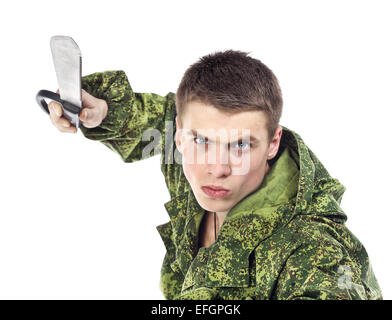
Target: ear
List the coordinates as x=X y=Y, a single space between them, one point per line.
x=275 y=143
x=178 y=136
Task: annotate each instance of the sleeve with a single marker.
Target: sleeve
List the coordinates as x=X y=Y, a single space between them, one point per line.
x=132 y=118
x=137 y=125
x=320 y=271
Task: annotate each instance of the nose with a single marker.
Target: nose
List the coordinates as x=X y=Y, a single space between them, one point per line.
x=220 y=164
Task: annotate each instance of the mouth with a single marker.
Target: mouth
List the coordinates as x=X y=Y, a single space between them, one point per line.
x=216 y=188
x=215 y=191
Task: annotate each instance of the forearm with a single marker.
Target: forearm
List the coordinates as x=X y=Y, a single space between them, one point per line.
x=128 y=114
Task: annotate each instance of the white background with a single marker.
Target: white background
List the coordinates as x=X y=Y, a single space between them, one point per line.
x=78 y=223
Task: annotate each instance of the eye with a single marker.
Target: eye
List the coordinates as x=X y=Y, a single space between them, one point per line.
x=243 y=145
x=199 y=140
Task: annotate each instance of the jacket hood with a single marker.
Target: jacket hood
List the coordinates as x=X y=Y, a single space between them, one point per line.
x=317 y=192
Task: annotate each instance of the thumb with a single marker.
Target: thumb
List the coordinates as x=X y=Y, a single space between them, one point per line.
x=86 y=114
x=88 y=100
x=91 y=113
x=90 y=117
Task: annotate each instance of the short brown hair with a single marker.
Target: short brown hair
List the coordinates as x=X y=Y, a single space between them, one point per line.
x=232 y=81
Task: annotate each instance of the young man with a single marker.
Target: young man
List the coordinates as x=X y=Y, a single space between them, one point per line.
x=260 y=221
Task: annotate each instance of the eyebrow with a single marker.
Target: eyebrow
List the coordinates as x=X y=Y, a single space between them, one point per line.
x=251 y=138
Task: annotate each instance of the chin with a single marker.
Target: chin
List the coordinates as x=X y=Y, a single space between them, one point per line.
x=214 y=205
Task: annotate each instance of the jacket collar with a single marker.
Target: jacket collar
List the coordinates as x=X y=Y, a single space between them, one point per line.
x=283 y=192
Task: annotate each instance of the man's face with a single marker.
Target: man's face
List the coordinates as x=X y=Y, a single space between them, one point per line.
x=224 y=150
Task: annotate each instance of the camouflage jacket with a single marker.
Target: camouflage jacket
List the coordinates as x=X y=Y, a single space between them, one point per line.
x=286 y=240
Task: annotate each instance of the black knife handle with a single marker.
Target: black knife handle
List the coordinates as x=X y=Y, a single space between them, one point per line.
x=70 y=111
x=54 y=96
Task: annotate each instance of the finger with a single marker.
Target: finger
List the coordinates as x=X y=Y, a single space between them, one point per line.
x=60 y=123
x=56 y=108
x=84 y=114
x=56 y=120
x=63 y=122
x=52 y=113
x=88 y=100
x=70 y=129
x=90 y=117
x=86 y=117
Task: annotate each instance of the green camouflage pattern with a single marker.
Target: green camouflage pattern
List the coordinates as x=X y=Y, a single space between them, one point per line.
x=286 y=240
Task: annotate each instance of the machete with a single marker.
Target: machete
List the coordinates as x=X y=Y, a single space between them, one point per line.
x=67 y=60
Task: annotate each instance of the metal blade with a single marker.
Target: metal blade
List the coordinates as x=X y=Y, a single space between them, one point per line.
x=67 y=60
